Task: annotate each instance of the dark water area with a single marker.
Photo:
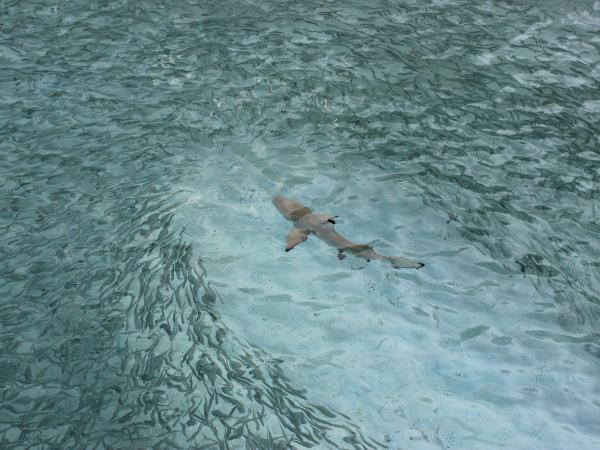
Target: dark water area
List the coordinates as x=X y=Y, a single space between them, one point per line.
x=145 y=297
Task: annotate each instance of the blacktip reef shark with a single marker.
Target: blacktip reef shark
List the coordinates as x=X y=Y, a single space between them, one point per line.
x=306 y=222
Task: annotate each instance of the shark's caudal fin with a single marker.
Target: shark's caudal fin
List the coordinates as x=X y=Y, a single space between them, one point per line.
x=398 y=262
x=295 y=237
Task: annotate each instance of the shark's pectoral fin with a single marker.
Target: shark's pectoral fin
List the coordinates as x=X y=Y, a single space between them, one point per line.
x=295 y=237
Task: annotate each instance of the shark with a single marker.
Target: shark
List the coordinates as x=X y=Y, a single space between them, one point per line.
x=305 y=222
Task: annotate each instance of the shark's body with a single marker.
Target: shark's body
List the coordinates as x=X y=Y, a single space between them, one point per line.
x=322 y=225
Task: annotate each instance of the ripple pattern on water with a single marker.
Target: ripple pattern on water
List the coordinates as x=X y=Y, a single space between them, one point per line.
x=145 y=300
x=110 y=332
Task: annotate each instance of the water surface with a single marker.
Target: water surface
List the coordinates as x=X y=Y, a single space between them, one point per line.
x=145 y=297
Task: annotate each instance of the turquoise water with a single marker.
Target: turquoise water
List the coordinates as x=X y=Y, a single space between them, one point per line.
x=146 y=300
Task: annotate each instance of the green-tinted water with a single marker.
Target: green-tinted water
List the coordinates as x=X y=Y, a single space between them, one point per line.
x=145 y=297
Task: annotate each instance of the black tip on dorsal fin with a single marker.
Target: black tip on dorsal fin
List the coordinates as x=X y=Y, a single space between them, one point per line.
x=331 y=221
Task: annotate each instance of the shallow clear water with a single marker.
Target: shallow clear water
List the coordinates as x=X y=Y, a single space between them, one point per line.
x=145 y=297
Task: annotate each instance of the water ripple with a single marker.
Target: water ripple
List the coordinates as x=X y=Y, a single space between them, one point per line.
x=144 y=303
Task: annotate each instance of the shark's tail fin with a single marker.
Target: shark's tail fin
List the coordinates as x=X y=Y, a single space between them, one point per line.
x=399 y=262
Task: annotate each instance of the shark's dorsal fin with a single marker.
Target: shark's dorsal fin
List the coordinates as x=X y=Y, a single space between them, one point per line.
x=324 y=218
x=295 y=237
